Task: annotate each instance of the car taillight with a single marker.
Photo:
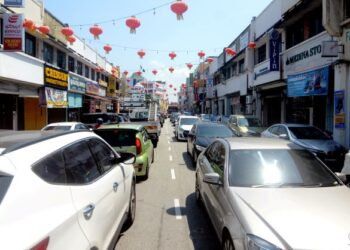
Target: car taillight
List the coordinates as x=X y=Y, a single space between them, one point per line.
x=138 y=146
x=42 y=245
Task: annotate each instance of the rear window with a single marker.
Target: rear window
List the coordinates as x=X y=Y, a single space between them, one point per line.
x=92 y=118
x=58 y=128
x=118 y=137
x=5 y=181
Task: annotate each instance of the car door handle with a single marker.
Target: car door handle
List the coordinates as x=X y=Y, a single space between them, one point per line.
x=115 y=186
x=88 y=211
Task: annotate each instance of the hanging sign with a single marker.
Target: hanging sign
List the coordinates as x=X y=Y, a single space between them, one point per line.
x=275 y=43
x=339 y=109
x=76 y=84
x=112 y=85
x=92 y=88
x=13 y=32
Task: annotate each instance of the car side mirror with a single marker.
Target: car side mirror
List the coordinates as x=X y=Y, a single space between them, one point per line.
x=212 y=178
x=283 y=136
x=342 y=177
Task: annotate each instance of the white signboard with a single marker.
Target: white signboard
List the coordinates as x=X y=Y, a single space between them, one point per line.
x=13 y=32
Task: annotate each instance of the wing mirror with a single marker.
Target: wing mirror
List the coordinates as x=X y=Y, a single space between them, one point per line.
x=212 y=178
x=342 y=177
x=283 y=136
x=127 y=158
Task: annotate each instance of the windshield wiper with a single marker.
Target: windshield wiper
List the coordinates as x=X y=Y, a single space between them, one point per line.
x=295 y=184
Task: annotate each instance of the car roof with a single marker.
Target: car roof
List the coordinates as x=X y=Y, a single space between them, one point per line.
x=188 y=116
x=123 y=125
x=294 y=125
x=63 y=124
x=238 y=143
x=13 y=140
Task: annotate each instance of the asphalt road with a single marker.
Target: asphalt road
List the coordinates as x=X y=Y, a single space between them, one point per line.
x=167 y=216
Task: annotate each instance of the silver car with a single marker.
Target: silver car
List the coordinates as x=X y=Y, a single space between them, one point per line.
x=263 y=193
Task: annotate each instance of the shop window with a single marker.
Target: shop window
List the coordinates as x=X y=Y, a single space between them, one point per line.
x=234 y=69
x=87 y=71
x=79 y=68
x=61 y=59
x=98 y=76
x=228 y=73
x=92 y=74
x=315 y=22
x=48 y=53
x=241 y=66
x=71 y=64
x=261 y=54
x=30 y=45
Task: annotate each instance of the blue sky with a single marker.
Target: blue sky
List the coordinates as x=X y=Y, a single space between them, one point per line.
x=207 y=25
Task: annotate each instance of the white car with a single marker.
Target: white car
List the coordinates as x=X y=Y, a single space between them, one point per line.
x=184 y=125
x=65 y=126
x=265 y=193
x=63 y=190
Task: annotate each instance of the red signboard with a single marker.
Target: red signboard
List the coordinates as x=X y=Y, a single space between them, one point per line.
x=13 y=32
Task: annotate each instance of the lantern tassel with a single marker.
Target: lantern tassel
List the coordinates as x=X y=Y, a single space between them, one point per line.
x=180 y=17
x=132 y=31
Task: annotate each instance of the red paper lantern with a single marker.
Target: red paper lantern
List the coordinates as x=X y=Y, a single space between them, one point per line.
x=67 y=31
x=230 y=51
x=107 y=48
x=71 y=39
x=141 y=53
x=128 y=80
x=28 y=24
x=175 y=94
x=139 y=73
x=189 y=65
x=210 y=60
x=96 y=31
x=183 y=85
x=171 y=69
x=133 y=23
x=125 y=72
x=44 y=29
x=252 y=45
x=201 y=54
x=154 y=72
x=170 y=85
x=179 y=8
x=172 y=55
x=174 y=89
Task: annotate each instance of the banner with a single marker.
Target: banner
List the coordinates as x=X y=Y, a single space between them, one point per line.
x=13 y=32
x=309 y=84
x=112 y=82
x=92 y=88
x=75 y=100
x=56 y=98
x=339 y=109
x=76 y=84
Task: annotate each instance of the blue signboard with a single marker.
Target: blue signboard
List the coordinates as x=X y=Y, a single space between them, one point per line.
x=275 y=43
x=14 y=3
x=76 y=84
x=75 y=100
x=339 y=109
x=309 y=83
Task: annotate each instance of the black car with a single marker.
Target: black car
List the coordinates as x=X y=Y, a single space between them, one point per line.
x=204 y=133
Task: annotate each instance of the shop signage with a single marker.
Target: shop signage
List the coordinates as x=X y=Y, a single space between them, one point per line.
x=309 y=83
x=275 y=43
x=102 y=83
x=304 y=54
x=56 y=98
x=112 y=82
x=92 y=88
x=13 y=32
x=102 y=91
x=346 y=47
x=56 y=77
x=76 y=84
x=75 y=100
x=14 y=3
x=339 y=112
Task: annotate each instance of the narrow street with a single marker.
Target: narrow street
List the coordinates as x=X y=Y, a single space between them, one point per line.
x=167 y=216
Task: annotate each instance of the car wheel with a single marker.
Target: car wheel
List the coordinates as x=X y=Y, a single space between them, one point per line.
x=227 y=243
x=188 y=151
x=132 y=207
x=197 y=193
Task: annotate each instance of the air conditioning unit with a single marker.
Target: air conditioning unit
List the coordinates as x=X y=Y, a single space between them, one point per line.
x=249 y=99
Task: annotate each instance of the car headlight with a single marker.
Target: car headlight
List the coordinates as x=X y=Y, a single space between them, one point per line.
x=256 y=243
x=200 y=148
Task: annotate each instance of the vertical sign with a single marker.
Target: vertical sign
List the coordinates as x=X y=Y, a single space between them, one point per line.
x=275 y=50
x=339 y=112
x=13 y=33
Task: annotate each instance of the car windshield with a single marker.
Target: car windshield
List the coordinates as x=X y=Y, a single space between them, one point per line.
x=308 y=133
x=214 y=131
x=58 y=128
x=118 y=137
x=188 y=121
x=249 y=122
x=277 y=168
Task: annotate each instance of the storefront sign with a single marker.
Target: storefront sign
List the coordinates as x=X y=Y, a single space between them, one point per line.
x=275 y=43
x=102 y=83
x=339 y=109
x=56 y=77
x=112 y=82
x=304 y=54
x=75 y=100
x=309 y=84
x=13 y=32
x=76 y=84
x=56 y=98
x=14 y=3
x=92 y=88
x=102 y=91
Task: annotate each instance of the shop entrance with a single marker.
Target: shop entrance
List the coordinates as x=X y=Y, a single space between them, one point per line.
x=7 y=106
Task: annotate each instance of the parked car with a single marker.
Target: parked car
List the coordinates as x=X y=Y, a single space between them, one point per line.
x=92 y=119
x=173 y=117
x=63 y=190
x=184 y=125
x=132 y=138
x=205 y=117
x=313 y=139
x=65 y=126
x=245 y=125
x=204 y=133
x=265 y=193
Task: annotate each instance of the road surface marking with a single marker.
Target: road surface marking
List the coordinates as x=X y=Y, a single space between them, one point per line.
x=170 y=157
x=173 y=174
x=177 y=209
x=169 y=148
